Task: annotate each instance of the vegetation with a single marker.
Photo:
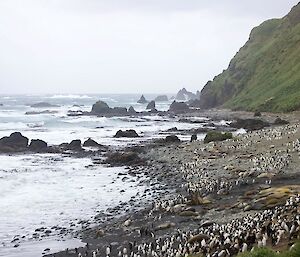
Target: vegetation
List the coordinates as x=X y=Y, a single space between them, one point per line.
x=265 y=74
x=213 y=136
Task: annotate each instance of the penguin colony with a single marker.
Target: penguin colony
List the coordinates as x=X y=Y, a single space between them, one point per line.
x=272 y=227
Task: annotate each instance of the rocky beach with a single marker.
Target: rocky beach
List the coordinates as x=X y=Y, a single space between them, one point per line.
x=214 y=199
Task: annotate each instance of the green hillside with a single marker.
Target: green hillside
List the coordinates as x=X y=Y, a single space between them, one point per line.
x=265 y=74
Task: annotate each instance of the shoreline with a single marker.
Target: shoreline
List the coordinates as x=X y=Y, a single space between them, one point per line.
x=224 y=200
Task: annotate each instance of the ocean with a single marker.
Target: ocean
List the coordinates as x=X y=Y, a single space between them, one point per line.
x=48 y=190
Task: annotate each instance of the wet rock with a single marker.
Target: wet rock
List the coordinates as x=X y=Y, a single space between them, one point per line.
x=161 y=98
x=43 y=105
x=124 y=158
x=172 y=129
x=280 y=121
x=91 y=143
x=250 y=124
x=126 y=133
x=15 y=142
x=151 y=105
x=75 y=145
x=178 y=107
x=100 y=108
x=37 y=145
x=142 y=100
x=172 y=139
x=131 y=111
x=213 y=136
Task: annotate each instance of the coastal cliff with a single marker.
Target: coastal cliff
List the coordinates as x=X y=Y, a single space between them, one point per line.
x=265 y=73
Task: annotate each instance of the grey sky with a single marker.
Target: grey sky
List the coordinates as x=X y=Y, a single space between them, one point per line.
x=123 y=46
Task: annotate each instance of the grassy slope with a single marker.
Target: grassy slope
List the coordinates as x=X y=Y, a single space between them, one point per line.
x=265 y=74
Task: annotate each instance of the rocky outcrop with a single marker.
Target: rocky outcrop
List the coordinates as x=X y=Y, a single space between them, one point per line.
x=43 y=105
x=214 y=136
x=91 y=143
x=100 y=108
x=16 y=142
x=250 y=124
x=161 y=98
x=126 y=133
x=151 y=106
x=184 y=95
x=172 y=139
x=280 y=121
x=123 y=158
x=37 y=145
x=131 y=111
x=142 y=100
x=75 y=145
x=178 y=107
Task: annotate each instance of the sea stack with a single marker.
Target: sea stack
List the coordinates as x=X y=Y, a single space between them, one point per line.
x=142 y=100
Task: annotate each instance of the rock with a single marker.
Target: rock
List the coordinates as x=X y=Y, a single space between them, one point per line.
x=131 y=111
x=172 y=139
x=164 y=226
x=151 y=105
x=43 y=105
x=119 y=111
x=250 y=124
x=161 y=98
x=41 y=112
x=184 y=95
x=91 y=143
x=193 y=137
x=123 y=158
x=126 y=133
x=178 y=107
x=142 y=100
x=279 y=121
x=15 y=142
x=172 y=129
x=1 y=104
x=257 y=114
x=37 y=145
x=213 y=136
x=194 y=103
x=100 y=108
x=198 y=238
x=75 y=145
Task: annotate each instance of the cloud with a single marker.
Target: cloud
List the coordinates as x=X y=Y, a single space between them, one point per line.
x=70 y=46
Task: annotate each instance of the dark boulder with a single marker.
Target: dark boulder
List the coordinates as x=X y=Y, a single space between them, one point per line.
x=43 y=105
x=131 y=111
x=161 y=98
x=100 y=108
x=172 y=139
x=75 y=145
x=151 y=105
x=174 y=129
x=178 y=107
x=142 y=100
x=15 y=142
x=126 y=133
x=257 y=114
x=1 y=104
x=214 y=136
x=280 y=121
x=250 y=124
x=193 y=137
x=91 y=143
x=37 y=145
x=119 y=111
x=123 y=158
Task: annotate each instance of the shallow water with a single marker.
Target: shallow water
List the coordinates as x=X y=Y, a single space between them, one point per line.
x=50 y=190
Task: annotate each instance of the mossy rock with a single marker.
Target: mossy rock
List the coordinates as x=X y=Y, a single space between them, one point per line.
x=213 y=136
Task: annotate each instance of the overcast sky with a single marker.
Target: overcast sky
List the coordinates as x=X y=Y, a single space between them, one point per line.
x=123 y=46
